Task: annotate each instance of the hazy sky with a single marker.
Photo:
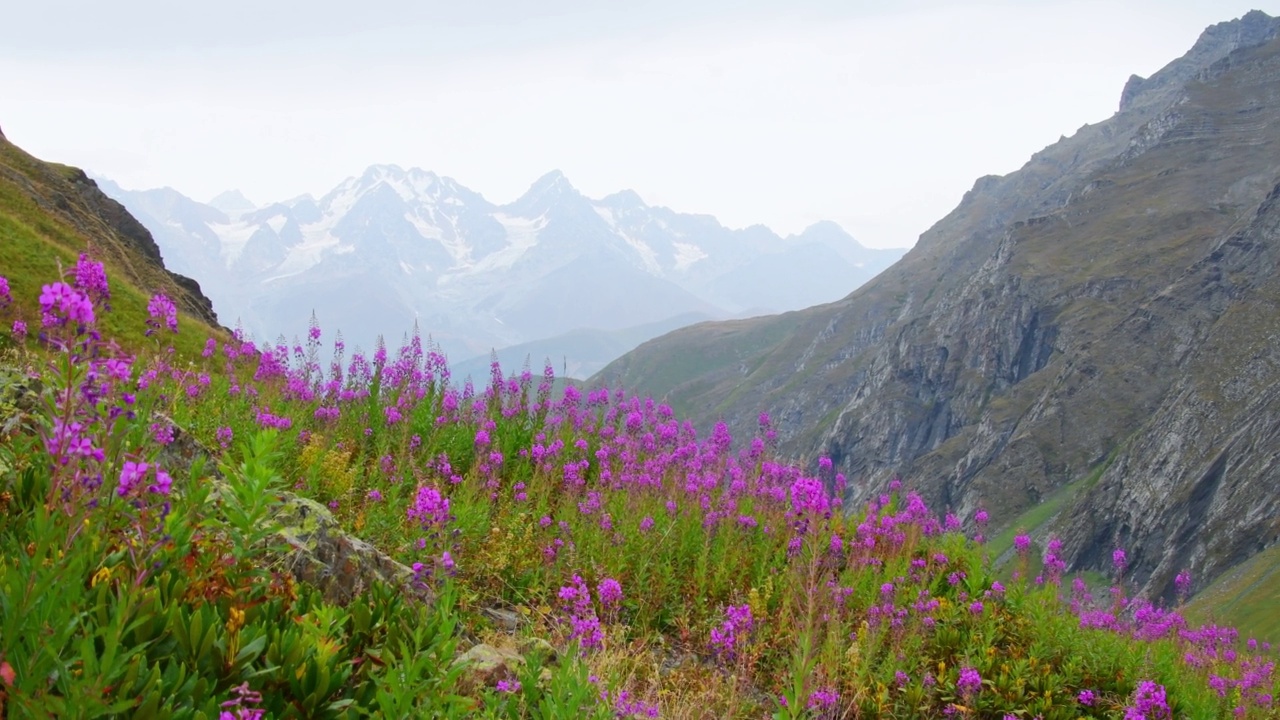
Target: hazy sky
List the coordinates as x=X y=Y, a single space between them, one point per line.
x=872 y=113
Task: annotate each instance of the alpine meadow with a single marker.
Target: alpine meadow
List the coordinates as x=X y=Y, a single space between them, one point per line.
x=1025 y=469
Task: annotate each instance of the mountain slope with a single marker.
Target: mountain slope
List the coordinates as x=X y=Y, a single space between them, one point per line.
x=50 y=213
x=1035 y=332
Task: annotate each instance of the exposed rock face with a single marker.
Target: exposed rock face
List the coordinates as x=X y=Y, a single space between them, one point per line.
x=1196 y=486
x=1109 y=305
x=325 y=556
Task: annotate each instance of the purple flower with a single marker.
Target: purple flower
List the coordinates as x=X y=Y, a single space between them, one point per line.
x=976 y=607
x=731 y=635
x=130 y=475
x=1086 y=697
x=19 y=329
x=1183 y=583
x=1022 y=544
x=822 y=699
x=646 y=524
x=610 y=592
x=163 y=483
x=59 y=302
x=970 y=682
x=91 y=277
x=162 y=433
x=809 y=496
x=1148 y=702
x=162 y=310
x=508 y=686
x=981 y=517
x=5 y=297
x=1118 y=559
x=429 y=507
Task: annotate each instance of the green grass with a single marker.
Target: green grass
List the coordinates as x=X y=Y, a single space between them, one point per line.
x=1247 y=598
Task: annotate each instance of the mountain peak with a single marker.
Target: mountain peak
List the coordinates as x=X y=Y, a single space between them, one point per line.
x=545 y=192
x=554 y=179
x=233 y=202
x=624 y=200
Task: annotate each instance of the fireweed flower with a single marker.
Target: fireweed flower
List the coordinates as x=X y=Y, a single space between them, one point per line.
x=1085 y=697
x=19 y=329
x=610 y=592
x=1183 y=583
x=161 y=311
x=91 y=277
x=429 y=508
x=732 y=634
x=162 y=433
x=1149 y=702
x=823 y=699
x=1022 y=544
x=1118 y=560
x=969 y=682
x=59 y=302
x=163 y=483
x=130 y=476
x=576 y=599
x=5 y=297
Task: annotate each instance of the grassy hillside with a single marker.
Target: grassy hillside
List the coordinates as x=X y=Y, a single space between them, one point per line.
x=179 y=541
x=1246 y=597
x=50 y=213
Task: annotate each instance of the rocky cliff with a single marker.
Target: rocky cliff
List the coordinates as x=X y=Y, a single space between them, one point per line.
x=1100 y=323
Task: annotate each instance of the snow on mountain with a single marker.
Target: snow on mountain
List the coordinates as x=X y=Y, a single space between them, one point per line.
x=394 y=246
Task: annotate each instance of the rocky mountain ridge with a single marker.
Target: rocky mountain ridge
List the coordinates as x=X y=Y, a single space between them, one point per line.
x=1059 y=334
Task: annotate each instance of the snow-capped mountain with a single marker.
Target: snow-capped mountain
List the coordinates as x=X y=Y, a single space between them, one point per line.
x=391 y=247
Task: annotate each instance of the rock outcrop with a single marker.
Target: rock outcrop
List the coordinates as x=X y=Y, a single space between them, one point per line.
x=321 y=553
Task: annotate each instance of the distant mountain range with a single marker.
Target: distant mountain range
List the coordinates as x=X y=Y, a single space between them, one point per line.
x=393 y=247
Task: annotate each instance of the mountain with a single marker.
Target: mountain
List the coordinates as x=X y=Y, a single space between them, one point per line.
x=393 y=247
x=233 y=203
x=50 y=213
x=1086 y=346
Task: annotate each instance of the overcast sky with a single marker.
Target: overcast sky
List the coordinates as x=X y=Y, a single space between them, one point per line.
x=873 y=113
